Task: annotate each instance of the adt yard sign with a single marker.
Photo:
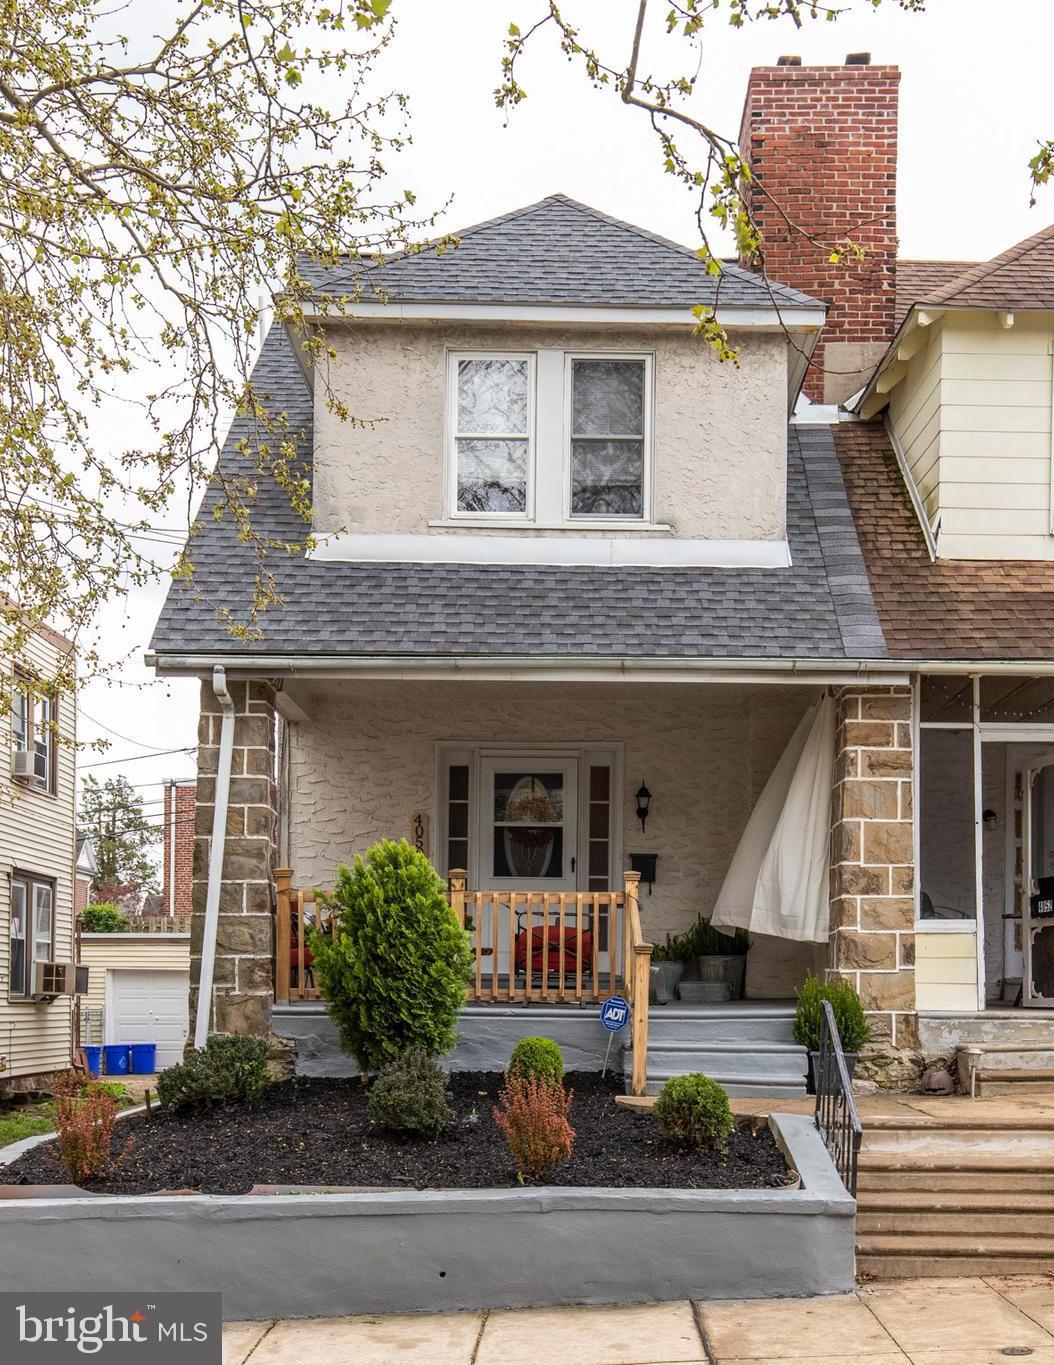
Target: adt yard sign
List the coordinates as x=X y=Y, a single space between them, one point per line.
x=614 y=1013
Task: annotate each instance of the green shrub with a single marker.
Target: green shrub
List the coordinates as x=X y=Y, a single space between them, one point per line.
x=227 y=1068
x=120 y=1094
x=693 y=1111
x=103 y=918
x=412 y=1096
x=394 y=973
x=677 y=948
x=537 y=1058
x=853 y=1028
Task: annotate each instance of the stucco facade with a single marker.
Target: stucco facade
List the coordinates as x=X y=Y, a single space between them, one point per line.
x=366 y=763
x=720 y=442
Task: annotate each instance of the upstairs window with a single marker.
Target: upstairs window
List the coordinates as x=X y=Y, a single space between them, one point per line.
x=551 y=438
x=493 y=398
x=33 y=731
x=607 y=438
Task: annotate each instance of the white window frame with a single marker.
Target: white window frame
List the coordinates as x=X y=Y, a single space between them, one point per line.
x=30 y=882
x=581 y=519
x=548 y=443
x=39 y=710
x=454 y=359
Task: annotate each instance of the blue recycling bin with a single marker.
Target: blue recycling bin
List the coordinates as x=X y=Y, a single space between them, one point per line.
x=143 y=1059
x=93 y=1056
x=115 y=1057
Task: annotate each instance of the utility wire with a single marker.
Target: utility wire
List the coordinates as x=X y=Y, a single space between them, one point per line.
x=158 y=753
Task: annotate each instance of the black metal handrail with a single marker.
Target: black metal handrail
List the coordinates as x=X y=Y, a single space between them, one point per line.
x=836 y=1118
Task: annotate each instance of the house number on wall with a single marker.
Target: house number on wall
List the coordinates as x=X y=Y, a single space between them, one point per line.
x=419 y=832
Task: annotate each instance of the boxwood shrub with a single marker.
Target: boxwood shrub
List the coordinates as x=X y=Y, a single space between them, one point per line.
x=693 y=1111
x=227 y=1068
x=537 y=1059
x=411 y=1096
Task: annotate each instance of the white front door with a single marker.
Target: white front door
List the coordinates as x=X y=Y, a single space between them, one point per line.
x=149 y=1007
x=528 y=818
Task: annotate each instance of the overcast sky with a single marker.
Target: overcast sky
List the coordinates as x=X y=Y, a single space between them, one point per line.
x=975 y=97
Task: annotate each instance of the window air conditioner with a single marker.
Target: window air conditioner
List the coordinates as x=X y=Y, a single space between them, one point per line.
x=54 y=978
x=22 y=763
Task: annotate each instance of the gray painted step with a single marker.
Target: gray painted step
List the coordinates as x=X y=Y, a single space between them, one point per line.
x=757 y=1087
x=744 y=1063
x=671 y=1024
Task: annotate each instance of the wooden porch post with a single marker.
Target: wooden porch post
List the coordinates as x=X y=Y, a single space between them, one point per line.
x=283 y=882
x=638 y=982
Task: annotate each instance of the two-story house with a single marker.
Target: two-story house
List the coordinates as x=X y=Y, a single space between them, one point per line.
x=38 y=852
x=584 y=598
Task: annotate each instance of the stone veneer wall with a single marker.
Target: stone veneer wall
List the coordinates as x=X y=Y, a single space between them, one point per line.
x=243 y=984
x=872 y=940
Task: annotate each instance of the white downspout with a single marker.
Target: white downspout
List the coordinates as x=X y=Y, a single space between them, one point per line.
x=219 y=839
x=171 y=846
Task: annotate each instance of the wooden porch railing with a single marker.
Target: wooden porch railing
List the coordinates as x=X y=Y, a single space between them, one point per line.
x=548 y=947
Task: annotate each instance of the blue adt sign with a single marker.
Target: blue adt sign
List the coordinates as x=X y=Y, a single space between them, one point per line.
x=614 y=1013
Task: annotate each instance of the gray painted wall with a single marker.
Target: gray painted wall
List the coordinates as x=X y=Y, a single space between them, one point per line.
x=422 y=1251
x=486 y=1036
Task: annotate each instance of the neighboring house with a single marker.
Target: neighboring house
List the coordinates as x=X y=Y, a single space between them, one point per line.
x=138 y=984
x=38 y=848
x=567 y=555
x=84 y=870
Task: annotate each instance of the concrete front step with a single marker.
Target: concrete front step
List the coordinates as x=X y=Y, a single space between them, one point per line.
x=911 y=1223
x=916 y=1267
x=1007 y=1081
x=903 y=1179
x=955 y=1201
x=957 y=1245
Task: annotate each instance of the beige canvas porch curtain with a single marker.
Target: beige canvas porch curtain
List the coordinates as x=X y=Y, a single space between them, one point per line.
x=778 y=881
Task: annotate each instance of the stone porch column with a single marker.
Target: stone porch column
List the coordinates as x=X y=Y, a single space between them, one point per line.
x=872 y=936
x=243 y=983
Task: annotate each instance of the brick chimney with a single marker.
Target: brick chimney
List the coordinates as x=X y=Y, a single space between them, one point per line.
x=178 y=855
x=821 y=142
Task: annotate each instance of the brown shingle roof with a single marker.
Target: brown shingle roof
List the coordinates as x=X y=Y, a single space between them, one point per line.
x=951 y=609
x=1022 y=277
x=918 y=279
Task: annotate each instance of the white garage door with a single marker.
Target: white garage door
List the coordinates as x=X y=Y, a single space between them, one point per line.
x=150 y=1007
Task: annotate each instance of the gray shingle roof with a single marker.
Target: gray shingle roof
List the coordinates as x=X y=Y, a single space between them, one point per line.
x=556 y=252
x=819 y=608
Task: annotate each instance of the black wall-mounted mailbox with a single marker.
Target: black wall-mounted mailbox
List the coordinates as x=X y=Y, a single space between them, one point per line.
x=644 y=863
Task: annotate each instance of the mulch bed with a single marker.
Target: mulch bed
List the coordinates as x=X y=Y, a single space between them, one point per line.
x=317 y=1132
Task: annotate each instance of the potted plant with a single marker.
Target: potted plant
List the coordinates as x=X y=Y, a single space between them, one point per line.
x=668 y=963
x=853 y=1028
x=719 y=962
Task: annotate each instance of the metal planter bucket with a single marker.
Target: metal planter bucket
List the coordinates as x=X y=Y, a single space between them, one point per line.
x=729 y=968
x=664 y=979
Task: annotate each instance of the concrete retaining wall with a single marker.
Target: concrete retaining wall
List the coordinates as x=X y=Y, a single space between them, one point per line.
x=421 y=1251
x=486 y=1036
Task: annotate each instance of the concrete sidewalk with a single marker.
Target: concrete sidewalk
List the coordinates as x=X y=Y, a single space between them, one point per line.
x=924 y=1322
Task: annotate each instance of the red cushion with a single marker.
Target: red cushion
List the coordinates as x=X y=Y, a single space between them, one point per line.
x=294 y=956
x=538 y=950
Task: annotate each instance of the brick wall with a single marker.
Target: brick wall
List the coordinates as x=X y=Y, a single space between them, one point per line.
x=872 y=941
x=821 y=142
x=180 y=802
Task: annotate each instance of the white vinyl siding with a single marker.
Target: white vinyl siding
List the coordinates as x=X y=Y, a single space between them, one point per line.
x=945 y=971
x=973 y=416
x=37 y=837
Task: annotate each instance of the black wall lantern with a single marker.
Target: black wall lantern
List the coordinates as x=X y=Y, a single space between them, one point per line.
x=643 y=802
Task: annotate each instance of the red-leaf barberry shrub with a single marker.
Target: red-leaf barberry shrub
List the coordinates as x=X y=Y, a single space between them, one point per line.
x=532 y=1113
x=84 y=1118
